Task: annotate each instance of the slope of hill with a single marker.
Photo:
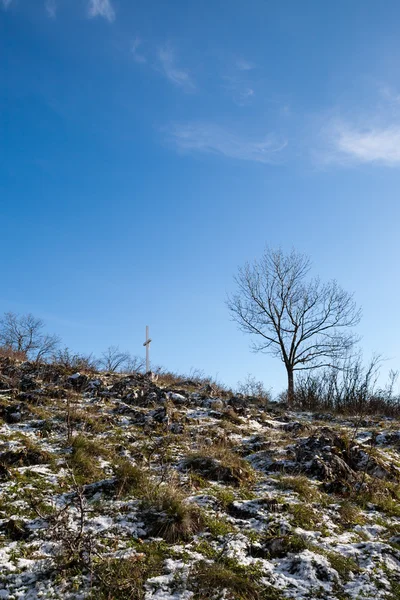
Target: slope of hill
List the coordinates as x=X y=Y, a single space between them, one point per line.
x=119 y=487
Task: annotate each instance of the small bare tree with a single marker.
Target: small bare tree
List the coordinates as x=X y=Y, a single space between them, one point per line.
x=252 y=387
x=24 y=333
x=74 y=361
x=135 y=364
x=303 y=322
x=113 y=359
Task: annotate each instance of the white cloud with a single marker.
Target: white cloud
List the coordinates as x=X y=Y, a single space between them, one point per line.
x=210 y=138
x=101 y=8
x=366 y=145
x=51 y=8
x=137 y=57
x=244 y=65
x=169 y=68
x=369 y=135
x=6 y=3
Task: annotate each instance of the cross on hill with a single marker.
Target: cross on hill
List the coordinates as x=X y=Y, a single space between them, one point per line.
x=147 y=344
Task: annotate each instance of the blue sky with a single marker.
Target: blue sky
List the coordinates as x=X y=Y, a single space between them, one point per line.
x=150 y=148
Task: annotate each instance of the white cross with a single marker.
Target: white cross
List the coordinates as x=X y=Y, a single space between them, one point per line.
x=147 y=344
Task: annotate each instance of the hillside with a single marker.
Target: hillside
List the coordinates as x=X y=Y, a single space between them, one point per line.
x=116 y=486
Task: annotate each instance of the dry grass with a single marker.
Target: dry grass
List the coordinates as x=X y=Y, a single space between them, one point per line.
x=83 y=460
x=125 y=578
x=171 y=516
x=130 y=479
x=220 y=463
x=227 y=579
x=301 y=485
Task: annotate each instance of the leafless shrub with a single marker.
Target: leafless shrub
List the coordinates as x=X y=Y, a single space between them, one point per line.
x=67 y=527
x=135 y=364
x=8 y=352
x=74 y=361
x=25 y=333
x=351 y=388
x=251 y=387
x=113 y=360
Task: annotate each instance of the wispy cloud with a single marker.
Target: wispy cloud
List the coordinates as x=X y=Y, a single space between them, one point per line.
x=369 y=135
x=6 y=3
x=349 y=143
x=169 y=68
x=241 y=92
x=101 y=8
x=244 y=65
x=212 y=139
x=238 y=82
x=51 y=8
x=137 y=57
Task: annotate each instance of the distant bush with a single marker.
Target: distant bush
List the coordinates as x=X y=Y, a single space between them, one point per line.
x=25 y=333
x=9 y=352
x=256 y=389
x=196 y=377
x=349 y=389
x=114 y=360
x=74 y=361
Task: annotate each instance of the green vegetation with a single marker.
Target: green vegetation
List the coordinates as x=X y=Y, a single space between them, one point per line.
x=305 y=516
x=125 y=578
x=350 y=514
x=218 y=526
x=130 y=479
x=229 y=579
x=220 y=463
x=301 y=485
x=169 y=513
x=83 y=460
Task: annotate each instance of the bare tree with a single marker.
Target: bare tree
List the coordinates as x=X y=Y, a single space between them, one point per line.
x=135 y=364
x=74 y=361
x=302 y=321
x=113 y=359
x=24 y=333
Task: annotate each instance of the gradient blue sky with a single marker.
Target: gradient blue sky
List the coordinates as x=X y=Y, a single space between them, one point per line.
x=148 y=148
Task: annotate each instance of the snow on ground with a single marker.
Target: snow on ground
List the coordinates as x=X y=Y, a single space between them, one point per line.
x=172 y=488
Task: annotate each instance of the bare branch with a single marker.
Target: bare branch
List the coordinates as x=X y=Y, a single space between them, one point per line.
x=24 y=333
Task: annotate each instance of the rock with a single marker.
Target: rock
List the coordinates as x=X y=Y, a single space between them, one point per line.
x=78 y=381
x=215 y=414
x=16 y=530
x=14 y=417
x=5 y=474
x=214 y=403
x=25 y=457
x=212 y=469
x=159 y=415
x=330 y=457
x=329 y=468
x=256 y=443
x=151 y=376
x=12 y=413
x=27 y=384
x=176 y=428
x=295 y=427
x=151 y=398
x=176 y=398
x=236 y=402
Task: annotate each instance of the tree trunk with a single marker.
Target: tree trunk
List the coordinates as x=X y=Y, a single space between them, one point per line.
x=290 y=390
